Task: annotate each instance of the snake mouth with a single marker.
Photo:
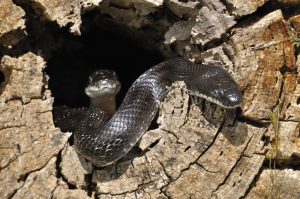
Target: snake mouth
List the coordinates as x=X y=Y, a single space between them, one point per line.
x=232 y=101
x=101 y=88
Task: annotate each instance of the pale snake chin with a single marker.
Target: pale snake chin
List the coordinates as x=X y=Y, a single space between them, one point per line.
x=104 y=136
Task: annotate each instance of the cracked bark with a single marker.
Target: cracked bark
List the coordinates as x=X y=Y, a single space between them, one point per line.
x=199 y=150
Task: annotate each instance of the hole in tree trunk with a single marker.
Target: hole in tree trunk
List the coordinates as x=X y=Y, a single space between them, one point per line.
x=1 y=81
x=96 y=48
x=1 y=77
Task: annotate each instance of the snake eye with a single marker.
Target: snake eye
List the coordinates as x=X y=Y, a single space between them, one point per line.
x=215 y=93
x=90 y=79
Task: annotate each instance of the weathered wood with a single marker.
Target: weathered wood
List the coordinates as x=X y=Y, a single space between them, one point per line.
x=28 y=136
x=11 y=20
x=277 y=184
x=65 y=12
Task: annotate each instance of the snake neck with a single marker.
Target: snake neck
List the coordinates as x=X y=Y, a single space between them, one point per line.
x=105 y=103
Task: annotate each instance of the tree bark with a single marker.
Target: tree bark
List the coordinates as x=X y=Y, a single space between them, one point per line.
x=199 y=150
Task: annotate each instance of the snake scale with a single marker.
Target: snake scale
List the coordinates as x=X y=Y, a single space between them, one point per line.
x=104 y=139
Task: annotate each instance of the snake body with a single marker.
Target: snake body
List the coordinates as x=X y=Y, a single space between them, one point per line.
x=104 y=142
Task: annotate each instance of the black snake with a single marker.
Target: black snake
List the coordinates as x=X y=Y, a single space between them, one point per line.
x=103 y=139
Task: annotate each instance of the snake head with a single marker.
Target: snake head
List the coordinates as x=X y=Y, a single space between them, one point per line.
x=103 y=83
x=216 y=85
x=223 y=89
x=226 y=94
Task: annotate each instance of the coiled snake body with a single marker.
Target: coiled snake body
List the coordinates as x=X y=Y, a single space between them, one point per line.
x=103 y=141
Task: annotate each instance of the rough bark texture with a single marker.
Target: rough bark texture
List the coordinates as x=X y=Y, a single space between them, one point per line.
x=11 y=21
x=199 y=149
x=29 y=139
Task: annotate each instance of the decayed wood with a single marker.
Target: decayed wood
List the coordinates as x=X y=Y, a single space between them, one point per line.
x=28 y=136
x=277 y=184
x=65 y=12
x=199 y=150
x=241 y=8
x=11 y=19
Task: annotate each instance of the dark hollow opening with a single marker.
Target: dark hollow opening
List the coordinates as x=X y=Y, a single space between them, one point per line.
x=1 y=78
x=70 y=66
